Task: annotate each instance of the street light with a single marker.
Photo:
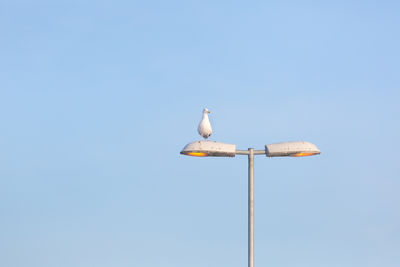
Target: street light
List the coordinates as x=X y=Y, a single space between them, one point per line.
x=216 y=149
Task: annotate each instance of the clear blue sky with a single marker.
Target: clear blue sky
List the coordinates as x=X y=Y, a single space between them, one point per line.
x=97 y=98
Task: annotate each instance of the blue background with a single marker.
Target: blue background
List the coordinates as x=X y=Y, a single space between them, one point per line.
x=97 y=98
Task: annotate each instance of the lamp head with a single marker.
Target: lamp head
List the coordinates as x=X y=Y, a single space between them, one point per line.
x=209 y=149
x=291 y=149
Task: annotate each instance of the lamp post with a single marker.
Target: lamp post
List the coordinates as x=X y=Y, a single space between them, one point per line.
x=217 y=149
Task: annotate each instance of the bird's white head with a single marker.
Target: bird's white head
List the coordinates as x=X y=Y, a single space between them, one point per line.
x=205 y=110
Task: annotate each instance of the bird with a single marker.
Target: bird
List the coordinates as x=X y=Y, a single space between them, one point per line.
x=204 y=128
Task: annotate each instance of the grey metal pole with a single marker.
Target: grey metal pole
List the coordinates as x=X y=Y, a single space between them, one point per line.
x=251 y=209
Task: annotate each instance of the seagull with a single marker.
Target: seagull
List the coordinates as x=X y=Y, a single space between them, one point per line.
x=204 y=128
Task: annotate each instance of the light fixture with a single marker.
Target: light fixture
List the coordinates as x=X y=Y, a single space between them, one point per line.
x=291 y=149
x=209 y=149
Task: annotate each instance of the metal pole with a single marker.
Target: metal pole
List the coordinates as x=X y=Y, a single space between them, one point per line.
x=251 y=209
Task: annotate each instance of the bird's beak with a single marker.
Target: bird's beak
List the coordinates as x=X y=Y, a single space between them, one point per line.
x=208 y=112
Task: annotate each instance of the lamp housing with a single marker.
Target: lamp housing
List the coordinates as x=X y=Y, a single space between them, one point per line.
x=291 y=149
x=205 y=148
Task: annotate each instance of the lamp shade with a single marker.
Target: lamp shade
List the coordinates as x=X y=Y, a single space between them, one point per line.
x=209 y=149
x=291 y=149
